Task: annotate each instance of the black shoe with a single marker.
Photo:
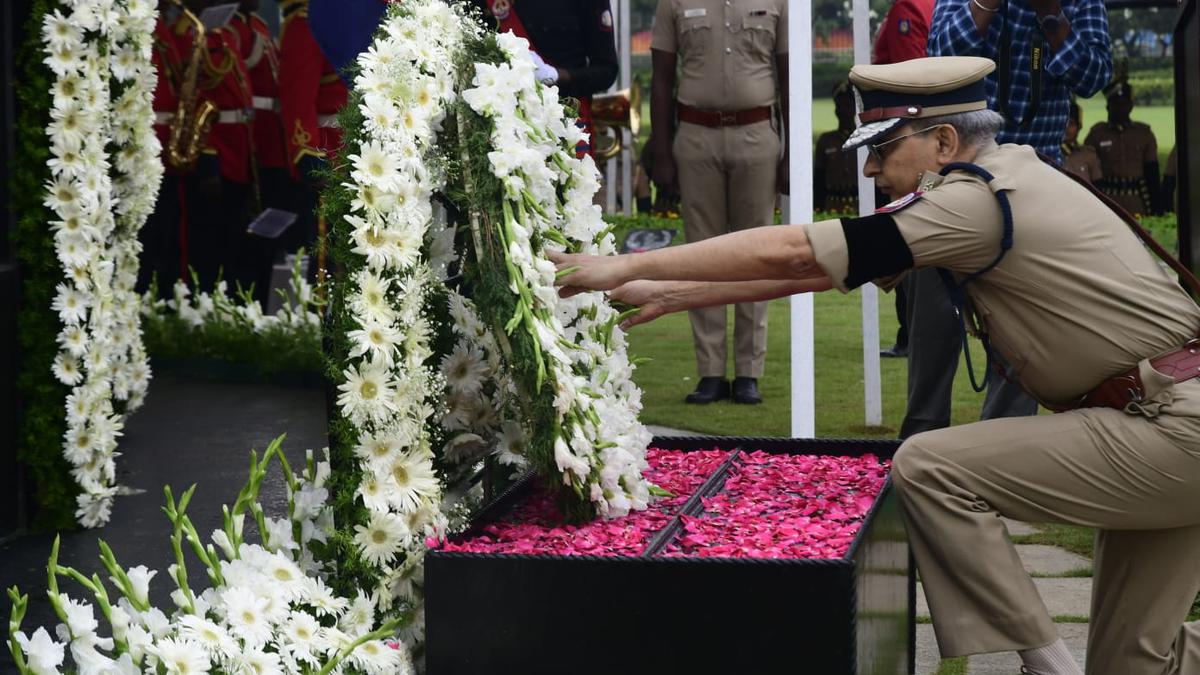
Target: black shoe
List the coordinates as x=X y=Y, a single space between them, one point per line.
x=745 y=390
x=894 y=352
x=709 y=389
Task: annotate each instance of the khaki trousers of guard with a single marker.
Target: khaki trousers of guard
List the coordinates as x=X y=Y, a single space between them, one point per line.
x=1134 y=475
x=727 y=183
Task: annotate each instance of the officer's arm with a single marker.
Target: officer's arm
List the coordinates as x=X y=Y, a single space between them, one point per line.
x=601 y=69
x=656 y=298
x=757 y=254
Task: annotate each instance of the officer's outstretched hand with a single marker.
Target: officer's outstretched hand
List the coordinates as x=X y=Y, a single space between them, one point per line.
x=579 y=273
x=651 y=298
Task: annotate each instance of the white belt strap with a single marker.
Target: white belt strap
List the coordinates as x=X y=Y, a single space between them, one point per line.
x=235 y=116
x=328 y=121
x=269 y=103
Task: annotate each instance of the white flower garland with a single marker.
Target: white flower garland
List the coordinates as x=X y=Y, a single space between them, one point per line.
x=96 y=47
x=600 y=445
x=389 y=391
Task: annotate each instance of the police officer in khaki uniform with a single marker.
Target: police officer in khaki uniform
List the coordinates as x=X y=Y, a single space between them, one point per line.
x=724 y=155
x=1128 y=154
x=1080 y=158
x=835 y=173
x=1079 y=306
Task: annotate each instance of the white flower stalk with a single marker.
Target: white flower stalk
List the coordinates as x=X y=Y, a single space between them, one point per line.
x=105 y=168
x=264 y=613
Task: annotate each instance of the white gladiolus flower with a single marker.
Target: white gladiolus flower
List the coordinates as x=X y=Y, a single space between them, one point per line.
x=43 y=655
x=139 y=579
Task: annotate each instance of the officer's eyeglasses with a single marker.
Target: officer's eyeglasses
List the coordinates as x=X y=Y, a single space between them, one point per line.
x=876 y=148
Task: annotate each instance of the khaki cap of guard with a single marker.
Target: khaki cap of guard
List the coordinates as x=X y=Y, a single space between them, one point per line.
x=889 y=94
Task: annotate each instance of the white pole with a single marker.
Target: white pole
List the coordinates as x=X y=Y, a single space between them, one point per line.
x=872 y=389
x=628 y=154
x=610 y=167
x=799 y=138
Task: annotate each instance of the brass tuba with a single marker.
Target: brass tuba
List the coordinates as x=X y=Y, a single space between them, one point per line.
x=611 y=112
x=193 y=118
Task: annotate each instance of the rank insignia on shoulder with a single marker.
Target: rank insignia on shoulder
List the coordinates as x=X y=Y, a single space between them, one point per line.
x=901 y=203
x=903 y=26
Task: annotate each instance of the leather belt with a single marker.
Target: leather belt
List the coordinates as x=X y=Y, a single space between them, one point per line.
x=235 y=116
x=1118 y=391
x=267 y=103
x=722 y=118
x=328 y=121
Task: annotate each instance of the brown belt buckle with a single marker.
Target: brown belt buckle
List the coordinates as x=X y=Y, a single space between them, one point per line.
x=728 y=119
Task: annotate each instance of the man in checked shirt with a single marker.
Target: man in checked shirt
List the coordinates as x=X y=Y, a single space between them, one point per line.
x=1044 y=50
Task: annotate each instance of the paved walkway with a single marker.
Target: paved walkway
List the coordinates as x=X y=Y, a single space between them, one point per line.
x=1066 y=595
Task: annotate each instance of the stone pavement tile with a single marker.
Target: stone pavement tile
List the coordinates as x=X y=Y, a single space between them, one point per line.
x=668 y=431
x=1063 y=597
x=1016 y=528
x=1050 y=560
x=1008 y=663
x=928 y=657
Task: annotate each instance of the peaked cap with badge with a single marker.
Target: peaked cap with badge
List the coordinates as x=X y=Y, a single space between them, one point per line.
x=889 y=94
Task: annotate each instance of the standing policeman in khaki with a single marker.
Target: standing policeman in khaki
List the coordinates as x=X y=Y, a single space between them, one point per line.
x=1071 y=299
x=725 y=154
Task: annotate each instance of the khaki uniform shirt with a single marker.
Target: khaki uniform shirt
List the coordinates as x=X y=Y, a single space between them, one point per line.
x=1123 y=150
x=1082 y=160
x=725 y=49
x=1076 y=300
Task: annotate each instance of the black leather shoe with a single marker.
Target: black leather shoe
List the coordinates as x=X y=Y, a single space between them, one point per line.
x=745 y=390
x=894 y=352
x=709 y=389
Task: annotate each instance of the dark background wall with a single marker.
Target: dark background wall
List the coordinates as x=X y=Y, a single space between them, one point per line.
x=1187 y=128
x=12 y=16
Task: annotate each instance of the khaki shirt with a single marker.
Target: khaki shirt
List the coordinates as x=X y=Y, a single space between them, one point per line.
x=1076 y=300
x=1123 y=150
x=725 y=49
x=1083 y=161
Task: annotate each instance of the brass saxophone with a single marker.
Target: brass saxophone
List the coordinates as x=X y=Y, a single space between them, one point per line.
x=193 y=119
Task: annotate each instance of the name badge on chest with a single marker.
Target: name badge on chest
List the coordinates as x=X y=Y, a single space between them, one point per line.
x=693 y=13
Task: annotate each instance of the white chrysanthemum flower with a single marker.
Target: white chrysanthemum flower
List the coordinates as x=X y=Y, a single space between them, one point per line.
x=366 y=395
x=381 y=538
x=71 y=304
x=66 y=369
x=255 y=661
x=181 y=656
x=377 y=658
x=412 y=481
x=73 y=339
x=464 y=368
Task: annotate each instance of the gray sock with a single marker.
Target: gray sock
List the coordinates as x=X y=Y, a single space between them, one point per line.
x=1053 y=659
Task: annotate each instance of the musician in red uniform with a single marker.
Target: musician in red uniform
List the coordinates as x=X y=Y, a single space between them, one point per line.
x=260 y=53
x=160 y=258
x=310 y=95
x=574 y=39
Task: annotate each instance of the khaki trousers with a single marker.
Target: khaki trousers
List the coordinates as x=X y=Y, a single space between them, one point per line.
x=1134 y=475
x=727 y=183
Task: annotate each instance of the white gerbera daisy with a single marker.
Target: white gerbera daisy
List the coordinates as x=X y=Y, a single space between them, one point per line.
x=62 y=197
x=412 y=481
x=512 y=444
x=71 y=304
x=381 y=538
x=464 y=368
x=370 y=198
x=301 y=631
x=374 y=493
x=255 y=661
x=373 y=243
x=376 y=658
x=381 y=448
x=74 y=339
x=374 y=165
x=94 y=508
x=213 y=637
x=366 y=395
x=246 y=614
x=66 y=369
x=375 y=340
x=372 y=299
x=360 y=617
x=181 y=656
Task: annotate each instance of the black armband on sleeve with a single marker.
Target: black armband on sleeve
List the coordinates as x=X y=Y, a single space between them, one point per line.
x=875 y=247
